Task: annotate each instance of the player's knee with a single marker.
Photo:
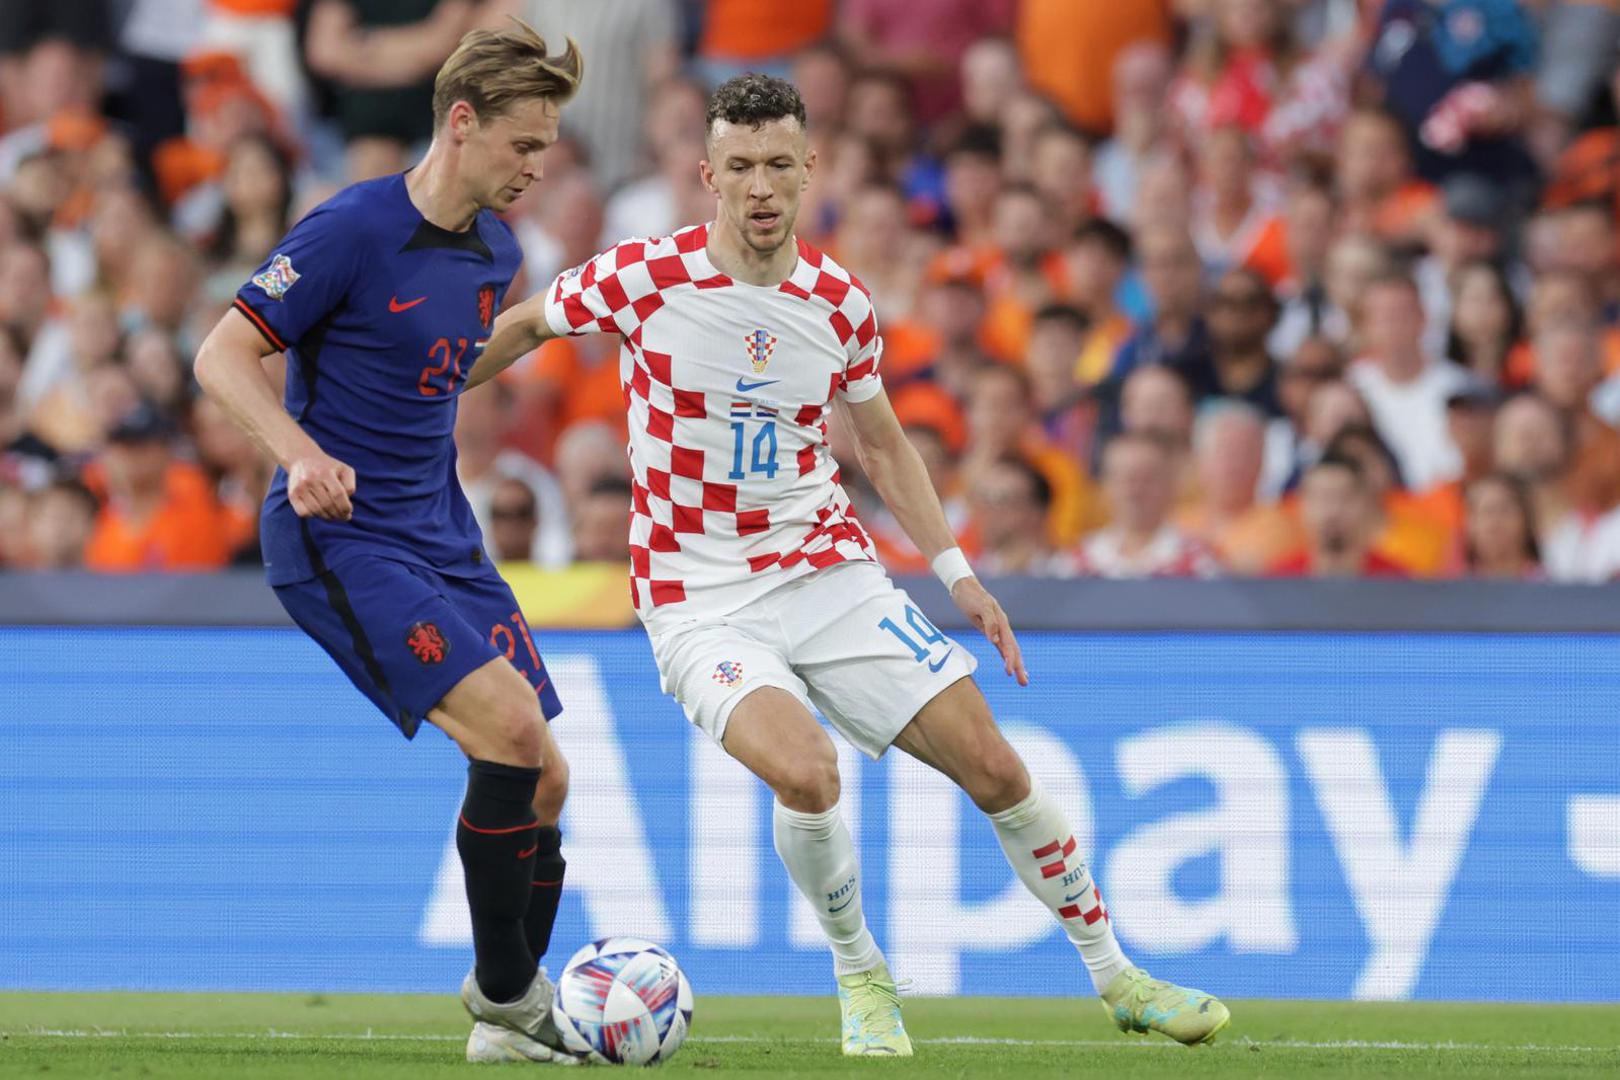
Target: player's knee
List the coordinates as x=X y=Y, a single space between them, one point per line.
x=810 y=784
x=998 y=779
x=552 y=791
x=519 y=733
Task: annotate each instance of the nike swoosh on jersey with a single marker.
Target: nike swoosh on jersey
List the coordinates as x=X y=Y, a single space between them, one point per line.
x=935 y=667
x=744 y=387
x=396 y=307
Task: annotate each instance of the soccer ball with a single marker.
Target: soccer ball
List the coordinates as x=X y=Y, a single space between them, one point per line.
x=623 y=1001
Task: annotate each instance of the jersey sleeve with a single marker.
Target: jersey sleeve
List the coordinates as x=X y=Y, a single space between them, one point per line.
x=861 y=381
x=305 y=277
x=584 y=300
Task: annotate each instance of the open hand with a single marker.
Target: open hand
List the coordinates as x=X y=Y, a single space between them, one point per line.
x=978 y=605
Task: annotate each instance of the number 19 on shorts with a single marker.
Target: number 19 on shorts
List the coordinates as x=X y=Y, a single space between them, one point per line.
x=926 y=636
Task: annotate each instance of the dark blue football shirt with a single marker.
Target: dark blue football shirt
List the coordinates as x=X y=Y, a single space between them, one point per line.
x=381 y=314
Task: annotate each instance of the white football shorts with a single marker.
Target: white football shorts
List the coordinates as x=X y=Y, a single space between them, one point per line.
x=843 y=640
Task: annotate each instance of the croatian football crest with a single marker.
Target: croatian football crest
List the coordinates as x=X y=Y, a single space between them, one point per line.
x=728 y=673
x=486 y=305
x=760 y=345
x=277 y=278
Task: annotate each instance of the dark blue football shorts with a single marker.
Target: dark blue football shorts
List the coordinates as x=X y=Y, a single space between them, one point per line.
x=405 y=634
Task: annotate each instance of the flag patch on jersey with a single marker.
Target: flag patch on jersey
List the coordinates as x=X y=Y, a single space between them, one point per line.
x=761 y=343
x=277 y=278
x=728 y=673
x=747 y=410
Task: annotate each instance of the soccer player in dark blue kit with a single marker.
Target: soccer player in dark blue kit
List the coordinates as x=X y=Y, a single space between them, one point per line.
x=382 y=298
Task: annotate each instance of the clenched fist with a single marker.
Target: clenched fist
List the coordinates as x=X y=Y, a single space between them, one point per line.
x=320 y=486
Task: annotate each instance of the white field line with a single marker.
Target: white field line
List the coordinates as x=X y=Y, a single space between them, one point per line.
x=957 y=1040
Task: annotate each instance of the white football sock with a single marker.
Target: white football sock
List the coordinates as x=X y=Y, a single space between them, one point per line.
x=1040 y=845
x=820 y=858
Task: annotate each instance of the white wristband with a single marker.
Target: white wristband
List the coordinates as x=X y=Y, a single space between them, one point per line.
x=951 y=566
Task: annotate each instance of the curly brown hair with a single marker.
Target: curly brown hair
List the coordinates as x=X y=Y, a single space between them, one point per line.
x=754 y=99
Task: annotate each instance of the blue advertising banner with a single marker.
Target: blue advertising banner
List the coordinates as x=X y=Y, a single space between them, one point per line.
x=1280 y=815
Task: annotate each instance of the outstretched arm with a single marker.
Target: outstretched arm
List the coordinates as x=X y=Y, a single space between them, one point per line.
x=519 y=330
x=901 y=479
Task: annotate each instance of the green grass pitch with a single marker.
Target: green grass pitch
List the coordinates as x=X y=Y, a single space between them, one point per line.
x=360 y=1037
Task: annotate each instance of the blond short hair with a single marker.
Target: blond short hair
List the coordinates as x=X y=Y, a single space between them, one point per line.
x=493 y=69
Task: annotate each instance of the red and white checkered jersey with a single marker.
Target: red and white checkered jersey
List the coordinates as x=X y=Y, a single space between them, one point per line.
x=728 y=386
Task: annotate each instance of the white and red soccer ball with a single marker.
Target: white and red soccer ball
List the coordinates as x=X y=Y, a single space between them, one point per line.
x=623 y=1001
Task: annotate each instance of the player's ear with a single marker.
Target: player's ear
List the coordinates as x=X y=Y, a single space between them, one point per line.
x=462 y=120
x=706 y=174
x=809 y=167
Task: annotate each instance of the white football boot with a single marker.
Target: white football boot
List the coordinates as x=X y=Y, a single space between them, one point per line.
x=519 y=1030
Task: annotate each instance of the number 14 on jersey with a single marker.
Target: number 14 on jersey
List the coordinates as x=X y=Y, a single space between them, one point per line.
x=760 y=444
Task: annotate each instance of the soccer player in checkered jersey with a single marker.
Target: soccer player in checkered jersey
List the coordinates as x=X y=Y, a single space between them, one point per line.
x=755 y=581
x=381 y=297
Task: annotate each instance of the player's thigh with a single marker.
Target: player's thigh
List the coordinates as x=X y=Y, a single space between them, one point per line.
x=493 y=715
x=711 y=668
x=956 y=734
x=393 y=632
x=773 y=733
x=871 y=659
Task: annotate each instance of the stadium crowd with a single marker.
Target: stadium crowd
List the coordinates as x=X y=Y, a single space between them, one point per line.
x=1168 y=287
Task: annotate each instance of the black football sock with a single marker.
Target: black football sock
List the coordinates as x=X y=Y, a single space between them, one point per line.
x=496 y=840
x=546 y=891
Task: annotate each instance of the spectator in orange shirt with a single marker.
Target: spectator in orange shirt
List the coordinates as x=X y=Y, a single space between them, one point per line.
x=759 y=35
x=1338 y=513
x=1470 y=419
x=936 y=428
x=1001 y=422
x=158 y=513
x=1026 y=274
x=1559 y=296
x=1228 y=448
x=1069 y=48
x=1569 y=367
x=1378 y=191
x=1097 y=259
x=1406 y=529
x=240 y=474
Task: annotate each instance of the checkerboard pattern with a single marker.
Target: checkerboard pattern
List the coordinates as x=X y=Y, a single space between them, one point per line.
x=700 y=536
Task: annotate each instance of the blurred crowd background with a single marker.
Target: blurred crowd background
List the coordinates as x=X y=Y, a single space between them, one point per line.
x=1168 y=287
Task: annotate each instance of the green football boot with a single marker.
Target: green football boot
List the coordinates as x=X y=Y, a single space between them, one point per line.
x=871 y=1007
x=1137 y=1002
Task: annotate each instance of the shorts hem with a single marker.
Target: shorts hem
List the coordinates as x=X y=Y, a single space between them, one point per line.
x=914 y=705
